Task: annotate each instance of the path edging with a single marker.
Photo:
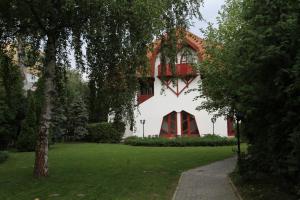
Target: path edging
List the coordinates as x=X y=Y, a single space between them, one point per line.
x=174 y=195
x=235 y=190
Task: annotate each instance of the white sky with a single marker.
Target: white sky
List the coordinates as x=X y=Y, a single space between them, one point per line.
x=209 y=13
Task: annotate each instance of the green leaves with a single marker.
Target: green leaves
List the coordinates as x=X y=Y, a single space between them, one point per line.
x=252 y=66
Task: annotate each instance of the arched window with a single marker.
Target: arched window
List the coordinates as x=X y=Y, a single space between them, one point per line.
x=188 y=56
x=169 y=125
x=188 y=124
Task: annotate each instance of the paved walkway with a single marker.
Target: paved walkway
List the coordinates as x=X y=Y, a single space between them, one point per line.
x=208 y=182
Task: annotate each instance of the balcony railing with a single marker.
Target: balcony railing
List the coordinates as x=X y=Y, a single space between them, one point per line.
x=181 y=70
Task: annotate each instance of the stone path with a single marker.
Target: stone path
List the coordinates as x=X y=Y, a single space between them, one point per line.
x=208 y=182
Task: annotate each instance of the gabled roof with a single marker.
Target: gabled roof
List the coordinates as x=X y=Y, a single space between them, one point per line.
x=191 y=39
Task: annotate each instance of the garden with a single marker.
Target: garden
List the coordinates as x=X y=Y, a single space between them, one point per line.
x=89 y=57
x=104 y=171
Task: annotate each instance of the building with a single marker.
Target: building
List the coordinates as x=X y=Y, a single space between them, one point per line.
x=166 y=104
x=31 y=76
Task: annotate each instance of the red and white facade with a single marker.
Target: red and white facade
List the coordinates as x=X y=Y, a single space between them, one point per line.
x=164 y=102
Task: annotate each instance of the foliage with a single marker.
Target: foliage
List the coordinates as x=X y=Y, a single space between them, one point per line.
x=3 y=156
x=77 y=119
x=141 y=173
x=181 y=142
x=117 y=45
x=265 y=188
x=70 y=114
x=58 y=122
x=103 y=133
x=253 y=67
x=120 y=127
x=27 y=138
x=12 y=101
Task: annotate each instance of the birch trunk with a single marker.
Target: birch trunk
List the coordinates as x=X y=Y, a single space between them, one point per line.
x=41 y=153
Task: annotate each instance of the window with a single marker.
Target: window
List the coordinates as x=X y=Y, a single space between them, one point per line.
x=147 y=87
x=188 y=57
x=188 y=124
x=169 y=125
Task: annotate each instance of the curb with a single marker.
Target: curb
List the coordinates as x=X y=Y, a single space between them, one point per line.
x=174 y=195
x=235 y=190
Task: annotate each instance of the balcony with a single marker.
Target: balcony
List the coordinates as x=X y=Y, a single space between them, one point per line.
x=182 y=70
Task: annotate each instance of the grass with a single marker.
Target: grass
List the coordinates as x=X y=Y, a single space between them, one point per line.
x=104 y=171
x=263 y=189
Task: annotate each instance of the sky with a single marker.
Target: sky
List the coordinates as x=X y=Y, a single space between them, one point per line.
x=209 y=13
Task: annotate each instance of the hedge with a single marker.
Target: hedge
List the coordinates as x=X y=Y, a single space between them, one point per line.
x=181 y=141
x=103 y=133
x=3 y=156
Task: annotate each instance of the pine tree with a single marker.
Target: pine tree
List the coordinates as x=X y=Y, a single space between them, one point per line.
x=58 y=123
x=77 y=119
x=27 y=138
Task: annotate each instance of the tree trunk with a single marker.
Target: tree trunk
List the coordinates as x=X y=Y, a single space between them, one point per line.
x=41 y=153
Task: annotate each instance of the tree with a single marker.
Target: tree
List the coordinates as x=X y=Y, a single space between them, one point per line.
x=53 y=21
x=70 y=108
x=118 y=45
x=12 y=106
x=77 y=119
x=58 y=122
x=27 y=137
x=122 y=29
x=252 y=66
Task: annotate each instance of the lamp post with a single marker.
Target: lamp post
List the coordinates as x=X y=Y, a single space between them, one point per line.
x=239 y=117
x=143 y=121
x=213 y=120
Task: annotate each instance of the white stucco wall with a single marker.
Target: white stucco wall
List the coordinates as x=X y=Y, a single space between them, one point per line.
x=165 y=101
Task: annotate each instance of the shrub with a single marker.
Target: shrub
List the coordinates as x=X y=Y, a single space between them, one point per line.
x=3 y=156
x=103 y=133
x=181 y=142
x=120 y=127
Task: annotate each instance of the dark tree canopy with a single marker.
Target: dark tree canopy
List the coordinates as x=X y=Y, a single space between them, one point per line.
x=253 y=67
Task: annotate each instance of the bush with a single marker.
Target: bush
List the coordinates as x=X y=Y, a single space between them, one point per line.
x=103 y=133
x=26 y=140
x=3 y=156
x=181 y=142
x=120 y=127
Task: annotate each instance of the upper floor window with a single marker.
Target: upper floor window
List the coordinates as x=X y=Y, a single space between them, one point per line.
x=188 y=56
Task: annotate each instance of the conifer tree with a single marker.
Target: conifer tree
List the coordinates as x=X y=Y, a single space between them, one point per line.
x=77 y=119
x=27 y=138
x=12 y=101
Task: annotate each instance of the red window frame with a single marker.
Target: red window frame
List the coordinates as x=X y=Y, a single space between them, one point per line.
x=230 y=128
x=189 y=133
x=169 y=134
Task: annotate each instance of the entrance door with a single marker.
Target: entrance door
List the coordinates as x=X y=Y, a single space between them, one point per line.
x=169 y=125
x=188 y=125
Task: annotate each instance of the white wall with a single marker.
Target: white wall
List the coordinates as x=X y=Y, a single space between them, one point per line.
x=165 y=101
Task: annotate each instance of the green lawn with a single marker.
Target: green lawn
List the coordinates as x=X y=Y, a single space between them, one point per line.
x=104 y=171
